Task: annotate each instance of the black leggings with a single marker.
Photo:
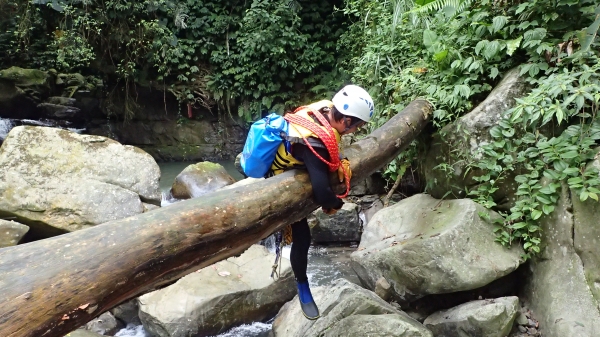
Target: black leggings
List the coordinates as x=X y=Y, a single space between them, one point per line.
x=299 y=252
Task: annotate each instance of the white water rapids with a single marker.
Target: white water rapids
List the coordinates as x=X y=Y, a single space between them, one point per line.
x=8 y=124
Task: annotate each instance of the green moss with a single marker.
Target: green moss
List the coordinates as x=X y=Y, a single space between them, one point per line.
x=24 y=77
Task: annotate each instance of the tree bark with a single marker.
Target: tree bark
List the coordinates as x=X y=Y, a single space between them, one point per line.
x=51 y=287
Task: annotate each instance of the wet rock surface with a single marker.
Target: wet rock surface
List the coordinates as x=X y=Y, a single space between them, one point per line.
x=199 y=179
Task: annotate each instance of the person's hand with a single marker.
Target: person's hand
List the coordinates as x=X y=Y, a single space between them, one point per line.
x=329 y=211
x=344 y=166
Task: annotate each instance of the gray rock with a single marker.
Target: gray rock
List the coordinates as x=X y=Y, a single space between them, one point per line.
x=374 y=184
x=11 y=233
x=343 y=226
x=199 y=179
x=370 y=210
x=390 y=325
x=57 y=181
x=59 y=100
x=83 y=333
x=127 y=312
x=586 y=236
x=342 y=305
x=105 y=324
x=149 y=207
x=556 y=288
x=472 y=129
x=383 y=288
x=214 y=299
x=425 y=246
x=242 y=182
x=490 y=318
x=521 y=319
x=238 y=164
x=58 y=111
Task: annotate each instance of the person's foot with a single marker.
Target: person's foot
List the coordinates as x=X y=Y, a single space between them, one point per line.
x=307 y=303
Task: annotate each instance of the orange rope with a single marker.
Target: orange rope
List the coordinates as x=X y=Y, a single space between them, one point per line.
x=327 y=136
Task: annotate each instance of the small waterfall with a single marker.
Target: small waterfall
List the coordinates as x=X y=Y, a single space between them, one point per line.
x=5 y=126
x=269 y=243
x=41 y=122
x=167 y=199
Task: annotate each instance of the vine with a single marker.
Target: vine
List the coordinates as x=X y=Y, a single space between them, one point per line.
x=547 y=161
x=452 y=53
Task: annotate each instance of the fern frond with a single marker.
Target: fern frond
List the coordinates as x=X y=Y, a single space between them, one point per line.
x=436 y=5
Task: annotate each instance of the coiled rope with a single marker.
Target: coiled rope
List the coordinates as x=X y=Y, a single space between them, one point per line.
x=326 y=135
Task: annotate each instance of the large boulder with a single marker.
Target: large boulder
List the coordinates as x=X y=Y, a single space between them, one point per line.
x=57 y=181
x=472 y=130
x=11 y=233
x=490 y=318
x=560 y=285
x=216 y=298
x=198 y=179
x=343 y=226
x=424 y=246
x=347 y=310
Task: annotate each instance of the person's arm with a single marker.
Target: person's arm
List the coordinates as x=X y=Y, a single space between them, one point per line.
x=318 y=172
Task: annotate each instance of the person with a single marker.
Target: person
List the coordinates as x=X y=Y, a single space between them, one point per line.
x=349 y=109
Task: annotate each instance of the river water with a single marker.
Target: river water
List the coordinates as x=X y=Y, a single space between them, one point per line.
x=325 y=264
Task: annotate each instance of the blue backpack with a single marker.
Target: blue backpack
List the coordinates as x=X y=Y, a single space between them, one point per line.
x=261 y=146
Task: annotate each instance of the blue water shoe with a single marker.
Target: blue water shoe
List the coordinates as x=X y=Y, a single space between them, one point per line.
x=307 y=303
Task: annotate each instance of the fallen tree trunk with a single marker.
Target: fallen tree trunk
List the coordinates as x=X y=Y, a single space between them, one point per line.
x=53 y=286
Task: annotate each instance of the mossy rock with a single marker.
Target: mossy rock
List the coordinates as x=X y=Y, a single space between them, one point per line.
x=25 y=77
x=199 y=179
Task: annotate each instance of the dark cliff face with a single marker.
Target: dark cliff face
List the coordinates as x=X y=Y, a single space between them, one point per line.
x=145 y=117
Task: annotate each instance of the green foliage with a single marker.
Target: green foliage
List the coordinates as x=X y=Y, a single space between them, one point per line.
x=568 y=91
x=258 y=55
x=453 y=52
x=544 y=162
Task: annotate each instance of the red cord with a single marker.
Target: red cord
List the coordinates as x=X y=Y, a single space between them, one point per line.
x=326 y=136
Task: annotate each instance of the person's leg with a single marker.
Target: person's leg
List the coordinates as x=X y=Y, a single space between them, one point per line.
x=299 y=252
x=299 y=261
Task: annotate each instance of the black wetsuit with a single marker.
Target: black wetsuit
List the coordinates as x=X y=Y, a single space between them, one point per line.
x=323 y=195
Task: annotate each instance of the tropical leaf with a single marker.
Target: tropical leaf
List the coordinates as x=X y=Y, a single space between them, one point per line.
x=436 y=5
x=589 y=34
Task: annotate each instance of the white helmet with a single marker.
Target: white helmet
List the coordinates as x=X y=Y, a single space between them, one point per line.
x=355 y=101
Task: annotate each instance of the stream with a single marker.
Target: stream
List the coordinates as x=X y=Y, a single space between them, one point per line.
x=325 y=263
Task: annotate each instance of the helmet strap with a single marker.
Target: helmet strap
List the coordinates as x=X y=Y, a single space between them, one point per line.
x=352 y=126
